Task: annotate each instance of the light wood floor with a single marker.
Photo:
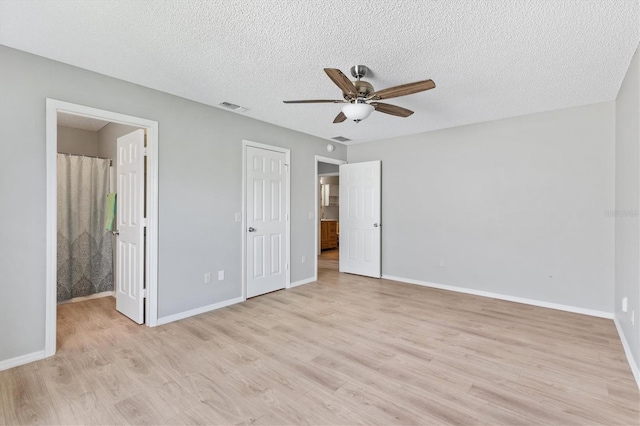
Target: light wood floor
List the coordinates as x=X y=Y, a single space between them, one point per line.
x=332 y=254
x=344 y=350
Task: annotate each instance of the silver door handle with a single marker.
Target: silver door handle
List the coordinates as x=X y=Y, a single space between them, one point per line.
x=115 y=232
x=252 y=229
x=375 y=225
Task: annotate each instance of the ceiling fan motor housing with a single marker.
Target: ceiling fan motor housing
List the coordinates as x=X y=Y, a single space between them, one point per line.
x=363 y=89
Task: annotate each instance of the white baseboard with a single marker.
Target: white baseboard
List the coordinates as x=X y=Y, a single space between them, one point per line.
x=302 y=282
x=627 y=350
x=21 y=360
x=534 y=302
x=91 y=296
x=213 y=307
x=198 y=311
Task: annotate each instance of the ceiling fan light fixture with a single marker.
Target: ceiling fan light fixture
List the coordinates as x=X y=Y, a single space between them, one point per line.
x=355 y=95
x=357 y=111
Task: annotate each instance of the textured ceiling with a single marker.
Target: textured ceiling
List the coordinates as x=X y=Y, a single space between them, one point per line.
x=489 y=59
x=80 y=122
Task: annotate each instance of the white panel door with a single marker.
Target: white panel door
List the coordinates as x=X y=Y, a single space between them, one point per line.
x=130 y=218
x=360 y=218
x=266 y=215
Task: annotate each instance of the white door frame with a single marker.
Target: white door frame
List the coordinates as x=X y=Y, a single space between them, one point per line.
x=319 y=159
x=287 y=152
x=53 y=107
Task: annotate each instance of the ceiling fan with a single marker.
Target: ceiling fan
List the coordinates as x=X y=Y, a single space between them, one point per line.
x=361 y=100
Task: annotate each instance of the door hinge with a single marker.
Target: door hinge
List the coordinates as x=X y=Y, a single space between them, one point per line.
x=287 y=266
x=286 y=167
x=144 y=151
x=144 y=293
x=144 y=222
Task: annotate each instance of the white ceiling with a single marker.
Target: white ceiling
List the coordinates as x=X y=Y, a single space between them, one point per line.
x=489 y=59
x=80 y=122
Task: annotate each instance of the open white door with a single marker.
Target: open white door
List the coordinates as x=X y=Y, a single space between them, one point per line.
x=266 y=213
x=360 y=218
x=130 y=219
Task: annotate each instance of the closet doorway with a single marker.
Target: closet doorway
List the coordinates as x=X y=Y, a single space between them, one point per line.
x=92 y=155
x=327 y=211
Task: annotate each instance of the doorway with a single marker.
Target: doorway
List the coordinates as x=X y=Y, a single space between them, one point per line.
x=85 y=248
x=329 y=212
x=327 y=234
x=54 y=109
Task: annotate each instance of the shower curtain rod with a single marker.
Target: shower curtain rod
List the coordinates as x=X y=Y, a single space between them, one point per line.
x=90 y=156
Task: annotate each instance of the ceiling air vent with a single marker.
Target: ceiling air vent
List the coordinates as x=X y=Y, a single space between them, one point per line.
x=341 y=139
x=233 y=107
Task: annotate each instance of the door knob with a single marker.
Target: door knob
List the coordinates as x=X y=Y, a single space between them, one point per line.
x=115 y=232
x=375 y=225
x=252 y=229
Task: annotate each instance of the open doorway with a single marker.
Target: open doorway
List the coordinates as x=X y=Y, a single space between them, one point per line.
x=327 y=197
x=329 y=213
x=86 y=248
x=68 y=142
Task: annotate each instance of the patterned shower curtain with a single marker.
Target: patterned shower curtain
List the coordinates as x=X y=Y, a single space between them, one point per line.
x=84 y=246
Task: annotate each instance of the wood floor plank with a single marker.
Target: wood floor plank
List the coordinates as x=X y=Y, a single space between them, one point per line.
x=536 y=412
x=25 y=398
x=343 y=350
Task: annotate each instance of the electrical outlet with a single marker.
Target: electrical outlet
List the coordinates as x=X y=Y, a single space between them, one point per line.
x=304 y=259
x=207 y=277
x=238 y=216
x=624 y=304
x=441 y=262
x=220 y=275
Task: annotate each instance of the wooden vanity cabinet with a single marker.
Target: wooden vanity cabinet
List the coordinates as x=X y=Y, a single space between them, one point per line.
x=329 y=234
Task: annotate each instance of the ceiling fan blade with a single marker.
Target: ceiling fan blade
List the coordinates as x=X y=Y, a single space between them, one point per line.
x=342 y=81
x=340 y=118
x=403 y=90
x=316 y=101
x=391 y=109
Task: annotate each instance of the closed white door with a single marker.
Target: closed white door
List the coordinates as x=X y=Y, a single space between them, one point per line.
x=360 y=227
x=130 y=220
x=266 y=213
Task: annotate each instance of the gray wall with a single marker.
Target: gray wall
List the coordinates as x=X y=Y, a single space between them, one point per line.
x=77 y=141
x=200 y=179
x=327 y=168
x=107 y=138
x=513 y=206
x=627 y=234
